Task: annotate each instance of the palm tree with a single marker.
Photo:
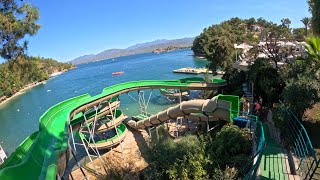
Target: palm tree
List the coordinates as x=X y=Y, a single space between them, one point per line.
x=313 y=49
x=306 y=21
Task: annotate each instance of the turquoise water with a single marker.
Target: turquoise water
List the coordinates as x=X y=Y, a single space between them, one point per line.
x=19 y=117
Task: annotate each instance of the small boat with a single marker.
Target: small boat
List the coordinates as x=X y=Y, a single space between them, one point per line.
x=117 y=73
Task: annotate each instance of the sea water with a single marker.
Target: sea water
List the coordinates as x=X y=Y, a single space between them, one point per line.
x=20 y=117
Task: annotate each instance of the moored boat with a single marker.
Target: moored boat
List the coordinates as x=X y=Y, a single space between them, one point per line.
x=117 y=73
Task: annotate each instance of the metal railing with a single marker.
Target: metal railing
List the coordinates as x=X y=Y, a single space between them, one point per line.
x=249 y=170
x=300 y=144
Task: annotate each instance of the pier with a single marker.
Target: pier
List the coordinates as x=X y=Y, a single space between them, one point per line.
x=190 y=70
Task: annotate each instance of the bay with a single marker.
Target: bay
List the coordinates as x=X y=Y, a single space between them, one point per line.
x=20 y=116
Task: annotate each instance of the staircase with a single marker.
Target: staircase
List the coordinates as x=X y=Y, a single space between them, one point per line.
x=316 y=173
x=275 y=163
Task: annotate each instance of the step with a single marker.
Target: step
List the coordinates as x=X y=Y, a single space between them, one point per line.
x=273 y=159
x=277 y=176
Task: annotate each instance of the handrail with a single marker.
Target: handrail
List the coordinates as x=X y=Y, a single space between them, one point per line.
x=260 y=147
x=240 y=172
x=301 y=142
x=315 y=169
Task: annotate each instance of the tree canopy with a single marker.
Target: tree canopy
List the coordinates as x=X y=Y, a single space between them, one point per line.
x=306 y=23
x=315 y=20
x=16 y=21
x=14 y=75
x=216 y=42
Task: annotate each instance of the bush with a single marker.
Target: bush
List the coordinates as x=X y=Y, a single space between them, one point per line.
x=235 y=78
x=184 y=159
x=231 y=147
x=301 y=94
x=267 y=81
x=204 y=157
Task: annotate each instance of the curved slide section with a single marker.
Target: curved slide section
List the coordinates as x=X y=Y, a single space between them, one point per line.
x=107 y=143
x=107 y=124
x=174 y=94
x=19 y=154
x=40 y=159
x=212 y=110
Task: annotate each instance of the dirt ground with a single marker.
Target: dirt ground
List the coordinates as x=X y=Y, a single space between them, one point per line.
x=183 y=127
x=313 y=114
x=125 y=160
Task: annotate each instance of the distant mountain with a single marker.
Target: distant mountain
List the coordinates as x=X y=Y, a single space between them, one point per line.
x=136 y=49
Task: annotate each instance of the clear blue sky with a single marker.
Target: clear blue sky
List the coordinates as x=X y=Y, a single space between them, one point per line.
x=73 y=28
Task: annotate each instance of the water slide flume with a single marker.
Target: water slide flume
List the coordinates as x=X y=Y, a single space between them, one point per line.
x=213 y=110
x=109 y=142
x=107 y=123
x=45 y=158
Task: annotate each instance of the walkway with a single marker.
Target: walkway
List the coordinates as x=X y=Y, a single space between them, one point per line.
x=274 y=162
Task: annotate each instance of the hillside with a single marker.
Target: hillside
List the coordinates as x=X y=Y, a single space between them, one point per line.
x=25 y=72
x=136 y=49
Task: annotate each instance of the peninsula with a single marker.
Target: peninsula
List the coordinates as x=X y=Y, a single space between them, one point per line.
x=148 y=47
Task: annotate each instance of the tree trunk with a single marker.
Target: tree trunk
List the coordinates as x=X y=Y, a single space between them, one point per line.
x=306 y=30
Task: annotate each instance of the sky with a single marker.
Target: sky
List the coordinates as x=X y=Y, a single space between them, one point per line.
x=72 y=28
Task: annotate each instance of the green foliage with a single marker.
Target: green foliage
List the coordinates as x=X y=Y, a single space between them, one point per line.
x=267 y=81
x=227 y=174
x=14 y=75
x=299 y=33
x=16 y=21
x=231 y=147
x=198 y=45
x=295 y=70
x=219 y=51
x=235 y=78
x=302 y=89
x=306 y=22
x=301 y=94
x=281 y=123
x=202 y=157
x=216 y=42
x=286 y=22
x=315 y=20
x=313 y=49
x=184 y=159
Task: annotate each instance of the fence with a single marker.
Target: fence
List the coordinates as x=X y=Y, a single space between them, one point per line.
x=249 y=170
x=300 y=144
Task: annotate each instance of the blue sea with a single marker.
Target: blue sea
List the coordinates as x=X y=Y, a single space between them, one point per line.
x=20 y=116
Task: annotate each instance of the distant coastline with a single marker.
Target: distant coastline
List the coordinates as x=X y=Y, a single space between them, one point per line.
x=170 y=48
x=4 y=99
x=157 y=46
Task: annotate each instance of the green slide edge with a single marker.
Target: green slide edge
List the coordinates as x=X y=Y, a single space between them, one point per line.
x=40 y=159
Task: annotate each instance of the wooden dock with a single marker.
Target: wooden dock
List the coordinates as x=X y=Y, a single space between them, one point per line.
x=190 y=70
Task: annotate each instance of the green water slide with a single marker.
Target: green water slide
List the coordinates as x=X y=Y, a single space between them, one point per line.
x=37 y=157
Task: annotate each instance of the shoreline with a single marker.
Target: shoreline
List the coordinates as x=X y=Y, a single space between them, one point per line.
x=21 y=91
x=4 y=100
